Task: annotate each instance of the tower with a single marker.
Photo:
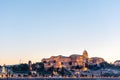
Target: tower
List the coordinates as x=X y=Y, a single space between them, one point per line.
x=30 y=65
x=85 y=59
x=85 y=54
x=4 y=69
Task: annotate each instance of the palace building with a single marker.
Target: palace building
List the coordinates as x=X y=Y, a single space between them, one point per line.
x=71 y=61
x=67 y=62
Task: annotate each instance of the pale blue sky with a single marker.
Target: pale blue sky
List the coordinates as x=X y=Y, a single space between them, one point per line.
x=35 y=29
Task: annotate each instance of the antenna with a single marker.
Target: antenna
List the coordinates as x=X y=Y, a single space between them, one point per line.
x=20 y=61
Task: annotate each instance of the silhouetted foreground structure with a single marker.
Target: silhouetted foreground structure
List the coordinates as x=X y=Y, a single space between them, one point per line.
x=61 y=79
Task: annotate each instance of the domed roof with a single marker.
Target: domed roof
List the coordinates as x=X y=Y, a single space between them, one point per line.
x=75 y=55
x=85 y=51
x=85 y=54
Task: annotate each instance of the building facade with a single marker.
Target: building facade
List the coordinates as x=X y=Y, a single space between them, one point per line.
x=71 y=61
x=67 y=62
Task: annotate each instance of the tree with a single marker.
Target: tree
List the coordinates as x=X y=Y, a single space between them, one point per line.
x=23 y=68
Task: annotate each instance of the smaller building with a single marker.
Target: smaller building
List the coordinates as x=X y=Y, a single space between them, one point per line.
x=95 y=60
x=3 y=72
x=117 y=63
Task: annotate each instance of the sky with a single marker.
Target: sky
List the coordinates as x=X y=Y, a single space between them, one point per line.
x=36 y=29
